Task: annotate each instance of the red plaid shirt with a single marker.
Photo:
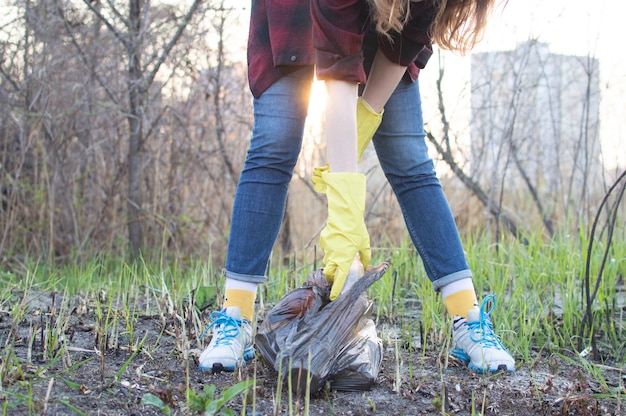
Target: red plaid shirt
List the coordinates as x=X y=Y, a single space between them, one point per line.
x=282 y=38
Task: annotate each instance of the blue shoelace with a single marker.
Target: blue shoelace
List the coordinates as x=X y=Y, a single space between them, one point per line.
x=484 y=326
x=229 y=327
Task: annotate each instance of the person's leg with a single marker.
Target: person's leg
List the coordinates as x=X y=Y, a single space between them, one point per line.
x=258 y=209
x=259 y=206
x=403 y=154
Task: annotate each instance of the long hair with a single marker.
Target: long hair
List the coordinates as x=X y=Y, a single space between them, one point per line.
x=458 y=24
x=389 y=15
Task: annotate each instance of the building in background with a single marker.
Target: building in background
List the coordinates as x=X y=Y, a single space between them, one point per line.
x=535 y=126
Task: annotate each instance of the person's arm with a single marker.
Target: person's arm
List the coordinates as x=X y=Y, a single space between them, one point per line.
x=341 y=132
x=404 y=51
x=338 y=38
x=383 y=79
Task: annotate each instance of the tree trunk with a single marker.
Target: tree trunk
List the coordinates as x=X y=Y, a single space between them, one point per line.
x=136 y=92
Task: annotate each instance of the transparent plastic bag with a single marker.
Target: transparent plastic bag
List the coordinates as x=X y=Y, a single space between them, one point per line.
x=311 y=340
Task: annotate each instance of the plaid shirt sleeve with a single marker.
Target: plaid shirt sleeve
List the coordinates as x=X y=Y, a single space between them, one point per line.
x=338 y=30
x=279 y=41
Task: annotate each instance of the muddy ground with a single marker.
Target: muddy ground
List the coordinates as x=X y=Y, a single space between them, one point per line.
x=89 y=373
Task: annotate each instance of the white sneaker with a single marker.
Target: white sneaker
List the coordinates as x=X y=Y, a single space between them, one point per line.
x=475 y=342
x=231 y=345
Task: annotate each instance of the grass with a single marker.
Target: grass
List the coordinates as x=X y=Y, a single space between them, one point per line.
x=538 y=313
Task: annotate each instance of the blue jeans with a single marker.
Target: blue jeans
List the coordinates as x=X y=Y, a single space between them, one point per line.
x=259 y=206
x=400 y=144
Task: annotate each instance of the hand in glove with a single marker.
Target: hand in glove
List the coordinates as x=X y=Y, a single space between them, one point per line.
x=367 y=123
x=345 y=234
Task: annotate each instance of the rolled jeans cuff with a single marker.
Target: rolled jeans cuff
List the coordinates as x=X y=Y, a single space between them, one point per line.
x=249 y=278
x=446 y=280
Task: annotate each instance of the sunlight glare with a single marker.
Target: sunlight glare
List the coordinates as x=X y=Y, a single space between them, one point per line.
x=317 y=101
x=313 y=143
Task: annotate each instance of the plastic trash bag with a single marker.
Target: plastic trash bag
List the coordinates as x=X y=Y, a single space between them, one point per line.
x=313 y=341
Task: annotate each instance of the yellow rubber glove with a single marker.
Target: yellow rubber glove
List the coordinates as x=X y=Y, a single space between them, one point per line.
x=367 y=121
x=345 y=234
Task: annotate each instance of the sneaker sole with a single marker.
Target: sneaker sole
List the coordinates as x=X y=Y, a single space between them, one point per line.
x=462 y=356
x=216 y=368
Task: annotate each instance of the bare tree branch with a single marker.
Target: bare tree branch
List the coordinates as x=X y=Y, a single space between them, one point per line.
x=83 y=57
x=475 y=188
x=168 y=48
x=445 y=151
x=119 y=35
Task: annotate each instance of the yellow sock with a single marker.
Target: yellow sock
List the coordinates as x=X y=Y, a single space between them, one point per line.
x=243 y=299
x=460 y=303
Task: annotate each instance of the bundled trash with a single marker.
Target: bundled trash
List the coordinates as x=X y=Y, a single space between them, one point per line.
x=313 y=341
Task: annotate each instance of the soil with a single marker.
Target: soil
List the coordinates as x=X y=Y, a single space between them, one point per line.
x=85 y=372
